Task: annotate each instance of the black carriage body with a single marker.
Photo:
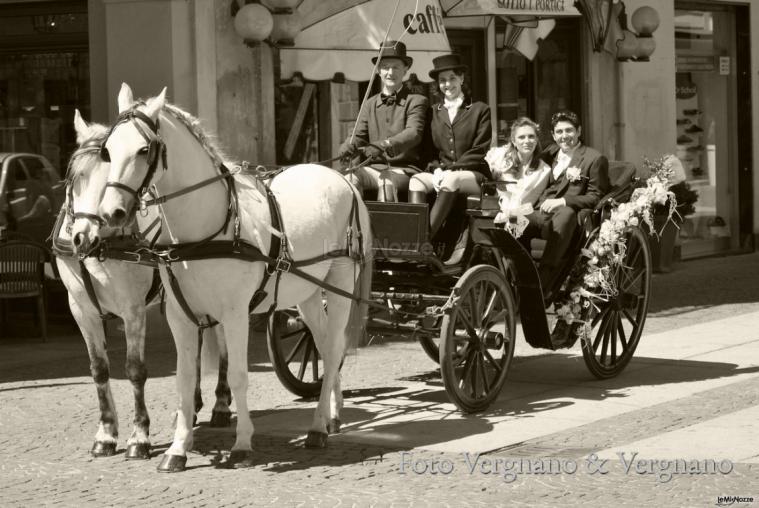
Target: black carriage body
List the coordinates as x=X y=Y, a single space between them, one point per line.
x=409 y=269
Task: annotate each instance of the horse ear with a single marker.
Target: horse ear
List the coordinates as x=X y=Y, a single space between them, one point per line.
x=126 y=99
x=154 y=104
x=81 y=127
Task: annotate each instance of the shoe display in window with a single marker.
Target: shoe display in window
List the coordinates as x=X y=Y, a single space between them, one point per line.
x=692 y=112
x=696 y=148
x=683 y=139
x=683 y=121
x=693 y=129
x=697 y=172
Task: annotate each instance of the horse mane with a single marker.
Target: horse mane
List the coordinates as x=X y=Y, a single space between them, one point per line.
x=193 y=124
x=82 y=159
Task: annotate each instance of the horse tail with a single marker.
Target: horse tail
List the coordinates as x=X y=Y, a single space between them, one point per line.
x=357 y=319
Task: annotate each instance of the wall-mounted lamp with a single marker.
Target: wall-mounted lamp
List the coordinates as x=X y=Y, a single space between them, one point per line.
x=274 y=21
x=638 y=47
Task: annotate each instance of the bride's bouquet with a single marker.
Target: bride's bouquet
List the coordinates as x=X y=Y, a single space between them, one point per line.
x=505 y=169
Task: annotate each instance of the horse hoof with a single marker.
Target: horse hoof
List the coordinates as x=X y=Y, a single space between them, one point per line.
x=220 y=419
x=136 y=451
x=240 y=459
x=103 y=448
x=316 y=439
x=172 y=463
x=333 y=427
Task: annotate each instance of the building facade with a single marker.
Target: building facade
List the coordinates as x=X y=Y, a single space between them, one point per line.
x=697 y=97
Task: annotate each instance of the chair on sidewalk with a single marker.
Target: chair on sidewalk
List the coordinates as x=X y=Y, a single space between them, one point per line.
x=22 y=275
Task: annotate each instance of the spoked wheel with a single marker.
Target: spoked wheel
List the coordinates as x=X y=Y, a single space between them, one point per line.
x=618 y=324
x=293 y=353
x=477 y=339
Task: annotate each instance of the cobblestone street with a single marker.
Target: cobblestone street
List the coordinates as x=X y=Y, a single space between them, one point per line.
x=403 y=443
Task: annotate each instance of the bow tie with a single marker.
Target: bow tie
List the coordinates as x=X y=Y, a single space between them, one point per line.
x=387 y=99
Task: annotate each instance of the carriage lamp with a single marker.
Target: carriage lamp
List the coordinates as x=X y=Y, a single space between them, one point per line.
x=253 y=22
x=638 y=46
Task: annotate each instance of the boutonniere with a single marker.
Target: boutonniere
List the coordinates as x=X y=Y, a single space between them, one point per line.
x=574 y=174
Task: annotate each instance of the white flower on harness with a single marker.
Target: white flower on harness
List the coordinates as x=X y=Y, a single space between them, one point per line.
x=574 y=174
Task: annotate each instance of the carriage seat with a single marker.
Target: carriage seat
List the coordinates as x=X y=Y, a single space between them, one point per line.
x=622 y=178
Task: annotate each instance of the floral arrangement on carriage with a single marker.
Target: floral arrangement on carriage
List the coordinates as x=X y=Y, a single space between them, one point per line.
x=595 y=281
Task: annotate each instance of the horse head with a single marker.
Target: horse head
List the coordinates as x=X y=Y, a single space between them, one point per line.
x=85 y=182
x=134 y=150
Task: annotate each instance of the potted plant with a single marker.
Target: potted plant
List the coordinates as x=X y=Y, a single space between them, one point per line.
x=663 y=246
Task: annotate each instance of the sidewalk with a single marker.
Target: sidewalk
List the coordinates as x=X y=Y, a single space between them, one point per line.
x=690 y=391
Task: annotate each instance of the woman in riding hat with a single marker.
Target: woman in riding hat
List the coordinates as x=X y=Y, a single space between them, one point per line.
x=461 y=135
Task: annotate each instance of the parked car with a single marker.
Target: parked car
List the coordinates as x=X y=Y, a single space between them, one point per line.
x=31 y=194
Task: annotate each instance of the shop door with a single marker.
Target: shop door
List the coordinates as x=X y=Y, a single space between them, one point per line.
x=711 y=64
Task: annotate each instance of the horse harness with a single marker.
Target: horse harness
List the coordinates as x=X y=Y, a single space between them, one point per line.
x=277 y=260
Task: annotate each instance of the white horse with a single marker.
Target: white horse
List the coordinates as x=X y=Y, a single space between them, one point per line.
x=318 y=208
x=116 y=287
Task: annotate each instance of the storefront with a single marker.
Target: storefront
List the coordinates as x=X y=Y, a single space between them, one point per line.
x=44 y=76
x=695 y=97
x=713 y=119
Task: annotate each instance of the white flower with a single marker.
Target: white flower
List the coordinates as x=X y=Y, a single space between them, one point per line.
x=574 y=174
x=499 y=161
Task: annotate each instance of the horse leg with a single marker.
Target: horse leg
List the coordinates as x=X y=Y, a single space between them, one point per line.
x=235 y=335
x=221 y=416
x=138 y=444
x=186 y=341
x=198 y=397
x=330 y=340
x=94 y=337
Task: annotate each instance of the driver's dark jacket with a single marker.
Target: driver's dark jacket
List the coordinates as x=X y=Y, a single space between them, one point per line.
x=401 y=123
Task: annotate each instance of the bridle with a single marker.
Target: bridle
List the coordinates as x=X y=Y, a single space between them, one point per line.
x=91 y=146
x=155 y=149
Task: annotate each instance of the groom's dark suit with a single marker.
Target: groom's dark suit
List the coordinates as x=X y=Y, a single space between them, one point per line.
x=559 y=226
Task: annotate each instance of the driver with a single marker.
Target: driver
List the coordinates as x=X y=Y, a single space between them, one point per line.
x=389 y=129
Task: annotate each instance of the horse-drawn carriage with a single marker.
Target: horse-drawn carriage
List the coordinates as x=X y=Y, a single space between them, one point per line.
x=461 y=298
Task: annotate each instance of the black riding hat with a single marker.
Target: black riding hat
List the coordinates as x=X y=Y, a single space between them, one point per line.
x=394 y=49
x=450 y=62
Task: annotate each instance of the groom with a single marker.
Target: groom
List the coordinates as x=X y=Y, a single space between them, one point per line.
x=579 y=179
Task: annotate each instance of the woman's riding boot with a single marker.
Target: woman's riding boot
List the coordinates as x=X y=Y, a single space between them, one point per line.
x=417 y=197
x=441 y=209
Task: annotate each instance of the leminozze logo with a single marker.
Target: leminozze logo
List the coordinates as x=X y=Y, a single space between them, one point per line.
x=731 y=500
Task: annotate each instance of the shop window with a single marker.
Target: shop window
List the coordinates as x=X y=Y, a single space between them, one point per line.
x=44 y=76
x=707 y=114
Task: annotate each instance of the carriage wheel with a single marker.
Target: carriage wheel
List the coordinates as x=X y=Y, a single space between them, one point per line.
x=293 y=353
x=618 y=324
x=478 y=338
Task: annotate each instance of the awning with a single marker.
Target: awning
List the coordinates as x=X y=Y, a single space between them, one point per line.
x=343 y=36
x=516 y=9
